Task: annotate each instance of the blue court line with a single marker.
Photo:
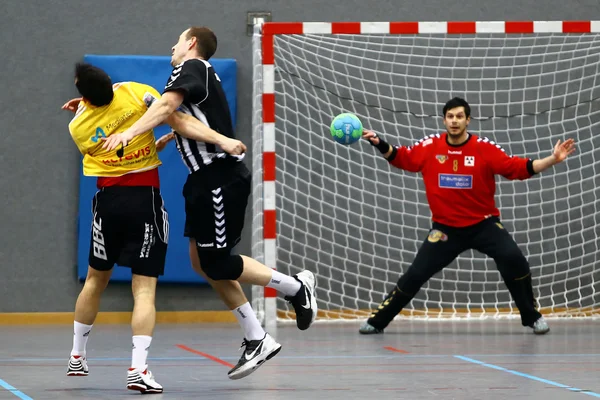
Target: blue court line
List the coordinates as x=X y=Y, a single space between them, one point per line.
x=14 y=391
x=532 y=377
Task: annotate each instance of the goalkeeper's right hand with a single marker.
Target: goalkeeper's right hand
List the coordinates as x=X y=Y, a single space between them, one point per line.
x=380 y=144
x=370 y=137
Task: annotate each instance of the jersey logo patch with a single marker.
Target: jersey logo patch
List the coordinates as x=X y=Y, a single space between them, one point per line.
x=437 y=235
x=149 y=99
x=469 y=161
x=441 y=158
x=99 y=133
x=455 y=181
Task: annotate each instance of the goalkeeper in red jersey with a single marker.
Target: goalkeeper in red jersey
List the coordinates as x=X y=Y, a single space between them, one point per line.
x=459 y=170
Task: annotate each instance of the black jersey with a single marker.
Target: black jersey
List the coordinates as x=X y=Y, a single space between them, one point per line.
x=205 y=100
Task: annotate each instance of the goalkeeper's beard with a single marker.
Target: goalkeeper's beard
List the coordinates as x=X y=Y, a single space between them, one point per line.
x=457 y=134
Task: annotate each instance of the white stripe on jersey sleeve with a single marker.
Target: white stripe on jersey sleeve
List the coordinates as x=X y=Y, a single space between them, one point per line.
x=433 y=135
x=491 y=142
x=207 y=66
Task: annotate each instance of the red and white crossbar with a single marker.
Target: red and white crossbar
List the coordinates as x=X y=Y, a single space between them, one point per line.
x=403 y=28
x=270 y=29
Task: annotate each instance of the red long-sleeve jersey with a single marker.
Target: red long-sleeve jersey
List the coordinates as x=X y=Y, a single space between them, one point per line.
x=460 y=180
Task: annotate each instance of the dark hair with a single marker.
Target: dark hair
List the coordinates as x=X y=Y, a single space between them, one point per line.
x=457 y=102
x=206 y=41
x=93 y=84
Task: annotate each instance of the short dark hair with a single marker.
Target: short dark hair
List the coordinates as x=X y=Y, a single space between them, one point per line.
x=93 y=84
x=457 y=102
x=206 y=41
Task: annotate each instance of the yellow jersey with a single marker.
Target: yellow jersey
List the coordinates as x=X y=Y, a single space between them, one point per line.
x=91 y=124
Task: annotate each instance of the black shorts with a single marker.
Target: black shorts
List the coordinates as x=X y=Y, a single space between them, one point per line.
x=130 y=228
x=215 y=204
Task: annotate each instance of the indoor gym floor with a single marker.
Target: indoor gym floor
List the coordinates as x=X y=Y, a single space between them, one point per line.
x=412 y=360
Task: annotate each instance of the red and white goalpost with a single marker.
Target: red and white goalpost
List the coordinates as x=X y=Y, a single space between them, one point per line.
x=343 y=213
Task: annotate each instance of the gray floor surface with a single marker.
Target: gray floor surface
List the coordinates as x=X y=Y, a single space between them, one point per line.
x=412 y=360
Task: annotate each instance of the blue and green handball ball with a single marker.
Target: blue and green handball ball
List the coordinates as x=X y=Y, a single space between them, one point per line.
x=346 y=128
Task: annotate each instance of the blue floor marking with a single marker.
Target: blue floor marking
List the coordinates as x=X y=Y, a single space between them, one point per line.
x=532 y=377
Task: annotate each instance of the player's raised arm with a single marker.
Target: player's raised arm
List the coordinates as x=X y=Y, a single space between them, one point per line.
x=156 y=115
x=192 y=128
x=407 y=158
x=559 y=154
x=508 y=166
x=513 y=167
x=384 y=148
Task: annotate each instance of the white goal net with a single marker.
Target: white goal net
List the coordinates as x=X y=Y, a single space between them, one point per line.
x=357 y=223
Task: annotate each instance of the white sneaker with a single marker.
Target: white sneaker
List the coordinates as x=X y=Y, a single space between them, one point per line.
x=142 y=381
x=77 y=366
x=305 y=301
x=255 y=354
x=540 y=326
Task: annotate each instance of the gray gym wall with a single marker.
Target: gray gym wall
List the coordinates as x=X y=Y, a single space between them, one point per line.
x=40 y=42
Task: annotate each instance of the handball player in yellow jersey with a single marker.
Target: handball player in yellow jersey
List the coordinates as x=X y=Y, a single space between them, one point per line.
x=130 y=223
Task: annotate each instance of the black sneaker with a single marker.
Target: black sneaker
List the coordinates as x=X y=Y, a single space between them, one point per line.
x=305 y=302
x=256 y=352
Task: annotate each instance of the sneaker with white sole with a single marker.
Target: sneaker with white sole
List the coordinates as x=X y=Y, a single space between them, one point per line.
x=305 y=301
x=540 y=327
x=142 y=381
x=77 y=366
x=256 y=352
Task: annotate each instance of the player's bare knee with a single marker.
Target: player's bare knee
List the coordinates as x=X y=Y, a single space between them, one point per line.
x=143 y=287
x=221 y=265
x=97 y=280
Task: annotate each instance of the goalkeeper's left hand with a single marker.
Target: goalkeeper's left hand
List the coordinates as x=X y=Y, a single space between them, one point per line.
x=563 y=150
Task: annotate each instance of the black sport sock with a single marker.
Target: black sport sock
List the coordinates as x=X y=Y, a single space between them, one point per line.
x=395 y=301
x=521 y=290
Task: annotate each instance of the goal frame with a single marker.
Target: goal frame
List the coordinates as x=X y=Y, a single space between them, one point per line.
x=267 y=33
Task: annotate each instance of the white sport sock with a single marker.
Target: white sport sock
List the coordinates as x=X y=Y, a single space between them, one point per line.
x=139 y=352
x=249 y=323
x=81 y=333
x=285 y=284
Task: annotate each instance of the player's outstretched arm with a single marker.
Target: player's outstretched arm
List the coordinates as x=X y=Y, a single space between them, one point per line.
x=157 y=113
x=371 y=137
x=559 y=154
x=398 y=156
x=191 y=128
